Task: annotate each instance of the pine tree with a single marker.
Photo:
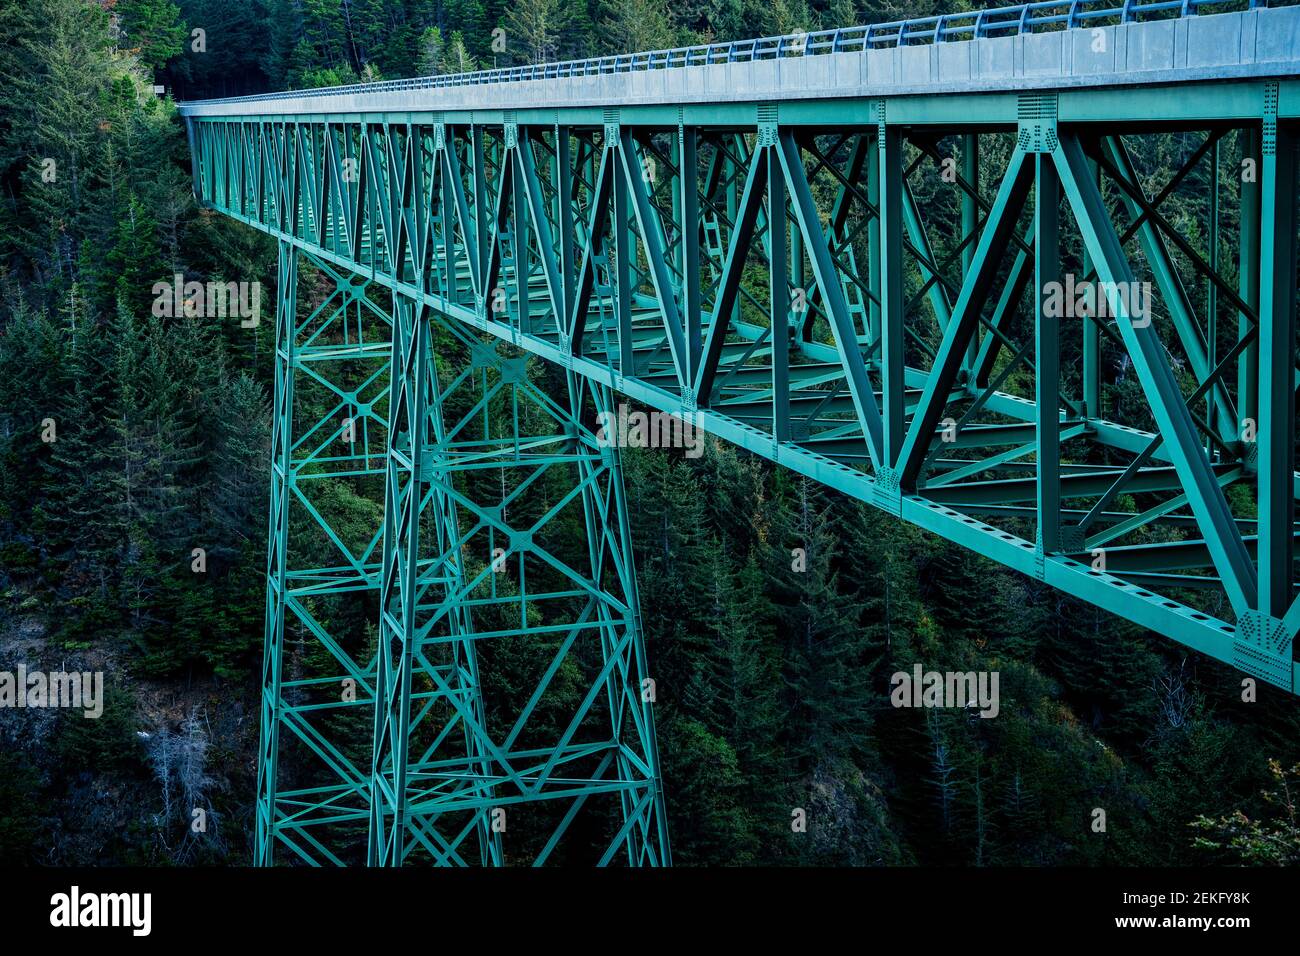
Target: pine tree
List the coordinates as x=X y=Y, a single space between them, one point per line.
x=631 y=26
x=82 y=533
x=456 y=58
x=51 y=136
x=134 y=256
x=534 y=29
x=431 y=52
x=825 y=647
x=238 y=465
x=284 y=33
x=152 y=29
x=469 y=18
x=239 y=51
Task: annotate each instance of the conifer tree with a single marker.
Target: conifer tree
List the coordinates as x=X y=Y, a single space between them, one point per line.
x=631 y=26
x=534 y=29
x=152 y=29
x=456 y=58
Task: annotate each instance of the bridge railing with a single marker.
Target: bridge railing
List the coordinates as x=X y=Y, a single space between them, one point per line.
x=1042 y=16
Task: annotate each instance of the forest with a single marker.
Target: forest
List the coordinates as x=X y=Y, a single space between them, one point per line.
x=773 y=684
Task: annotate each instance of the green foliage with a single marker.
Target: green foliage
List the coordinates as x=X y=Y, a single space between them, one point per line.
x=102 y=744
x=631 y=26
x=152 y=29
x=1272 y=840
x=21 y=825
x=784 y=679
x=710 y=824
x=534 y=29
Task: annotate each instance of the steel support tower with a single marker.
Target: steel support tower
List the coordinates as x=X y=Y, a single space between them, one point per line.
x=488 y=523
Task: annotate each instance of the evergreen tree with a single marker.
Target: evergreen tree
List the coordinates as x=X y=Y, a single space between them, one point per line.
x=631 y=26
x=534 y=29
x=456 y=57
x=50 y=136
x=284 y=33
x=151 y=29
x=469 y=18
x=431 y=51
x=133 y=257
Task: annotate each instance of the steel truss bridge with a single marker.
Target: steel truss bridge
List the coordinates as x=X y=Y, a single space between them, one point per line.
x=834 y=250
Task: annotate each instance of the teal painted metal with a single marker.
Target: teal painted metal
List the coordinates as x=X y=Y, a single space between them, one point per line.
x=474 y=560
x=480 y=566
x=318 y=690
x=772 y=275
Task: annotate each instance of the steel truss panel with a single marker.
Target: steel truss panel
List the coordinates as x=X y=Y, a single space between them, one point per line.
x=480 y=564
x=332 y=363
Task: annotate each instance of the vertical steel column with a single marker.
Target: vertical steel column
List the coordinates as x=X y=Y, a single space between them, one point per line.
x=1248 y=277
x=516 y=141
x=490 y=444
x=314 y=766
x=970 y=218
x=1047 y=271
x=564 y=183
x=1091 y=335
x=644 y=833
x=779 y=286
x=732 y=174
x=462 y=653
x=689 y=226
x=421 y=580
x=1212 y=290
x=623 y=246
x=873 y=247
x=1277 y=344
x=482 y=209
x=398 y=596
x=277 y=542
x=889 y=147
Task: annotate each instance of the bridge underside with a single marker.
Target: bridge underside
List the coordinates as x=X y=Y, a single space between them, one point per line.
x=981 y=313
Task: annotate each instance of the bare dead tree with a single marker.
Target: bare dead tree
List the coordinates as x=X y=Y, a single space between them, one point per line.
x=1176 y=700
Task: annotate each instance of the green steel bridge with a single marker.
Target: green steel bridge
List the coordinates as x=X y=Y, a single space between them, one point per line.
x=840 y=251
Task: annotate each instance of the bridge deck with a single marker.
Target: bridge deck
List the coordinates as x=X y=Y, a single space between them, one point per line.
x=1252 y=43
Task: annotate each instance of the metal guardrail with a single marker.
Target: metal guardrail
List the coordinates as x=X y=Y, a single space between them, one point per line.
x=1041 y=16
